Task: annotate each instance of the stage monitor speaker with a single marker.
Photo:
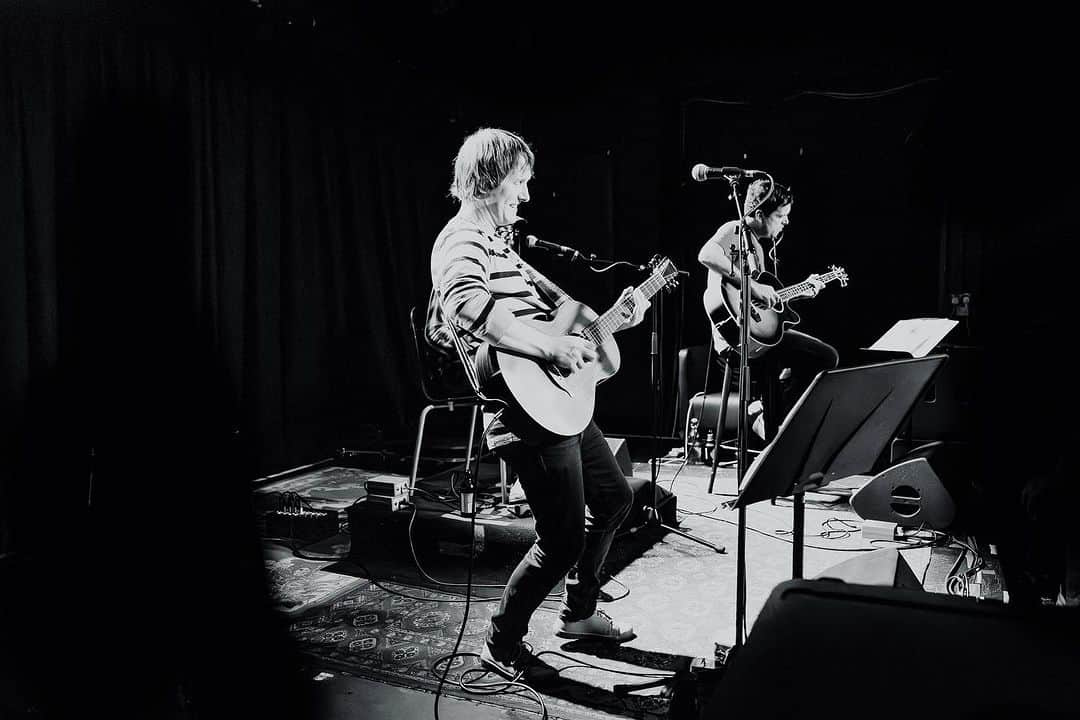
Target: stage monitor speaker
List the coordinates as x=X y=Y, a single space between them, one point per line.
x=885 y=567
x=622 y=454
x=619 y=448
x=890 y=653
x=909 y=494
x=666 y=505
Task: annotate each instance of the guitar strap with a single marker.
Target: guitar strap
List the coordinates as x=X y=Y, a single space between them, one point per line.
x=733 y=255
x=539 y=284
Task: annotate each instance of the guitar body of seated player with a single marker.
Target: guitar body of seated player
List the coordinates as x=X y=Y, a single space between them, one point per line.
x=485 y=298
x=767 y=215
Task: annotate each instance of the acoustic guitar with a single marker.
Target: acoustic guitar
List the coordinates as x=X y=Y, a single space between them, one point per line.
x=562 y=401
x=723 y=303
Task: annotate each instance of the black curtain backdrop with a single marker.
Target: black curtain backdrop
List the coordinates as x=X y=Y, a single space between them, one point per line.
x=216 y=220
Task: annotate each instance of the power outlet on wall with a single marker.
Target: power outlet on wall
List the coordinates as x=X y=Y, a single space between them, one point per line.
x=961 y=304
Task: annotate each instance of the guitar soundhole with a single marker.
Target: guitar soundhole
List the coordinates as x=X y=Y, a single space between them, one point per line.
x=755 y=314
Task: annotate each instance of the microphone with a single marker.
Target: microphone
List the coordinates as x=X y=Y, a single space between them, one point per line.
x=535 y=242
x=702 y=172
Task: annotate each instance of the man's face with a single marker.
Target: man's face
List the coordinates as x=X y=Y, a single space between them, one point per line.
x=775 y=222
x=511 y=192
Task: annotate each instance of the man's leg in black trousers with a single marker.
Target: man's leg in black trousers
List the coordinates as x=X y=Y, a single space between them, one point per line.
x=806 y=356
x=608 y=496
x=551 y=475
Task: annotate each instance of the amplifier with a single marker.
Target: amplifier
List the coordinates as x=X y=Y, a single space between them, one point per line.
x=387 y=485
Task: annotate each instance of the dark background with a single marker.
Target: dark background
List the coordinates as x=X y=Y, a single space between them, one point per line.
x=216 y=217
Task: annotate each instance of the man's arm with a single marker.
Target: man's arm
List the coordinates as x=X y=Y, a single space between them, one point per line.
x=713 y=257
x=468 y=303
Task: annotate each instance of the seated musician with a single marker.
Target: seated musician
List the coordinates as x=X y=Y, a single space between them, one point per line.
x=767 y=215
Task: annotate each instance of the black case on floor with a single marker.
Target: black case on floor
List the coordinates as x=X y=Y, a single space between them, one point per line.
x=827 y=648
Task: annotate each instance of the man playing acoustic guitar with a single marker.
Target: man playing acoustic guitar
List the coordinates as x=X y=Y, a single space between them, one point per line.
x=485 y=298
x=766 y=217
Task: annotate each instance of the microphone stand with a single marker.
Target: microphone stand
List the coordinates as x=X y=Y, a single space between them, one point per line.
x=652 y=515
x=744 y=425
x=679 y=684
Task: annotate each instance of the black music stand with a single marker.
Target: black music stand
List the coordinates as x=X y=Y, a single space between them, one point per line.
x=838 y=428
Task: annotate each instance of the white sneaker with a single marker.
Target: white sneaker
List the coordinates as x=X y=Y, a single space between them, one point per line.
x=598 y=626
x=509 y=670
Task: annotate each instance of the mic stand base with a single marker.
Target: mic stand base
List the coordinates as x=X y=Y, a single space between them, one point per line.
x=652 y=520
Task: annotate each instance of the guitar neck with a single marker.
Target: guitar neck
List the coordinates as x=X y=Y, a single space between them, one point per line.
x=600 y=330
x=806 y=287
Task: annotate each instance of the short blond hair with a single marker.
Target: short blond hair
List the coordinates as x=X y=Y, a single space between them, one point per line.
x=485 y=159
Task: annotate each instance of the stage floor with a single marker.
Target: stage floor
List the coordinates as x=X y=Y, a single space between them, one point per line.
x=678 y=595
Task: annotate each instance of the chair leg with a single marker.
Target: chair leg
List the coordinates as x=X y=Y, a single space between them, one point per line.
x=721 y=417
x=504 y=475
x=472 y=436
x=416 y=448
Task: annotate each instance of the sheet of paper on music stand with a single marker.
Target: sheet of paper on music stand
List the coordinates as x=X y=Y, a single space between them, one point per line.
x=916 y=337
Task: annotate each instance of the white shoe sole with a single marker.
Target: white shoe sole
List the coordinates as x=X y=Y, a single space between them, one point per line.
x=620 y=638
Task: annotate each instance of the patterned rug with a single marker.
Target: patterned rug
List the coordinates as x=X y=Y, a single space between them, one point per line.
x=326 y=488
x=298 y=585
x=380 y=635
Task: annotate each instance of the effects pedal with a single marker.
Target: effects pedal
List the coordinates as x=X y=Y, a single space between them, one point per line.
x=306 y=525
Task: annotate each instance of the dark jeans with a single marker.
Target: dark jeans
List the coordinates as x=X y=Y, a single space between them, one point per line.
x=561 y=476
x=806 y=356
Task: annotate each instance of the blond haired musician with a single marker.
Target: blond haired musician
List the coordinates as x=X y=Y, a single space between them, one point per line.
x=482 y=290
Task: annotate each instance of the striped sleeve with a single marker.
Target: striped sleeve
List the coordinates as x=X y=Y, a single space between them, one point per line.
x=464 y=286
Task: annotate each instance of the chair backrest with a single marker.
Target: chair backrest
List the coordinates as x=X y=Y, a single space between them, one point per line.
x=442 y=376
x=693 y=361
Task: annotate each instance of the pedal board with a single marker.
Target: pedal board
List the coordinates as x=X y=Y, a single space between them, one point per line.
x=306 y=525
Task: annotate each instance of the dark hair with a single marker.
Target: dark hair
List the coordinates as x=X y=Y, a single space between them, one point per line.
x=485 y=159
x=759 y=189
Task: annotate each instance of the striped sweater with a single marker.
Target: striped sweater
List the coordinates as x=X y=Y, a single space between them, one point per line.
x=481 y=285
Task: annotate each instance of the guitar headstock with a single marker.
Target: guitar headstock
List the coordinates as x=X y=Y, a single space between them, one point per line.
x=840 y=273
x=664 y=269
